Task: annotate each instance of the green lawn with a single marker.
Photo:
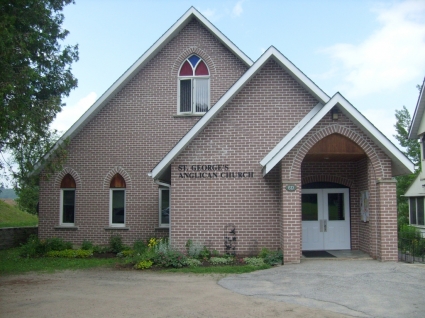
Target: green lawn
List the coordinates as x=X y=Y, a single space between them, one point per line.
x=12 y=263
x=11 y=216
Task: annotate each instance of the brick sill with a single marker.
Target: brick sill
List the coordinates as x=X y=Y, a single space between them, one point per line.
x=114 y=228
x=188 y=115
x=64 y=227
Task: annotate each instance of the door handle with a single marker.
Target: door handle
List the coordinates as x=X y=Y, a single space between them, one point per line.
x=325 y=227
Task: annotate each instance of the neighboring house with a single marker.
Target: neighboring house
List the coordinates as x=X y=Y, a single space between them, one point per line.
x=196 y=141
x=416 y=192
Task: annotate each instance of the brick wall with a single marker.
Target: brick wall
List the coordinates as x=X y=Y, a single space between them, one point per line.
x=131 y=135
x=240 y=136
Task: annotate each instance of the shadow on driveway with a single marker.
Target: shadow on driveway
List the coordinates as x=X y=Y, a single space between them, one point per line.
x=361 y=288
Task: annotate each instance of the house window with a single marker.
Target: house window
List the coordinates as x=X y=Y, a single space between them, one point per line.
x=67 y=200
x=416 y=207
x=164 y=207
x=117 y=201
x=194 y=86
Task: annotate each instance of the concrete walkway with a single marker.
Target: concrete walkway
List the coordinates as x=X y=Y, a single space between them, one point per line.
x=360 y=288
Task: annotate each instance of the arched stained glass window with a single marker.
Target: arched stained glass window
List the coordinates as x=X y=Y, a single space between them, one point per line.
x=194 y=82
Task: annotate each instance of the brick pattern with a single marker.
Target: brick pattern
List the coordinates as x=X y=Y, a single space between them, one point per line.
x=240 y=136
x=130 y=136
x=138 y=127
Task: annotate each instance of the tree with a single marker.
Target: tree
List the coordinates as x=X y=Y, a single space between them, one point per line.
x=412 y=151
x=35 y=74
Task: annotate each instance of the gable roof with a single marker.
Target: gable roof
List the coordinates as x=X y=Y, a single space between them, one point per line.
x=418 y=115
x=272 y=52
x=401 y=164
x=172 y=32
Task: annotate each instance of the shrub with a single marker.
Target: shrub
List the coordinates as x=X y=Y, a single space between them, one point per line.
x=125 y=253
x=254 y=261
x=87 y=245
x=115 y=243
x=35 y=247
x=143 y=265
x=192 y=262
x=101 y=249
x=221 y=260
x=408 y=232
x=32 y=248
x=271 y=257
x=139 y=246
x=152 y=242
x=57 y=244
x=70 y=253
x=170 y=258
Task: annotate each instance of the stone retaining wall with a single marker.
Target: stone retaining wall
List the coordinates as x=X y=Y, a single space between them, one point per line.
x=14 y=236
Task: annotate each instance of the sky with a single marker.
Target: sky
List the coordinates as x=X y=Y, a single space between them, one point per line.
x=372 y=52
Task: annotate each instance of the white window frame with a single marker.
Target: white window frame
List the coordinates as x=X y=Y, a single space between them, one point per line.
x=111 y=190
x=416 y=211
x=166 y=225
x=193 y=84
x=61 y=206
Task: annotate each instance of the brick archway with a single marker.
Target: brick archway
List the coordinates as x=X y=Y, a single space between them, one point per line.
x=327 y=178
x=73 y=173
x=335 y=129
x=114 y=171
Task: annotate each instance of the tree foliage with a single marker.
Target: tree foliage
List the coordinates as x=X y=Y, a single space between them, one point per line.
x=35 y=74
x=411 y=149
x=35 y=70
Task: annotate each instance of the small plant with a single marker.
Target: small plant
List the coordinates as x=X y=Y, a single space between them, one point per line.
x=162 y=246
x=192 y=262
x=194 y=248
x=101 y=249
x=221 y=260
x=87 y=245
x=254 y=261
x=152 y=242
x=125 y=253
x=32 y=248
x=143 y=265
x=57 y=244
x=70 y=253
x=115 y=243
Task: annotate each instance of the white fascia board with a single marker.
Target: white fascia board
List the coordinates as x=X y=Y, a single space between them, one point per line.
x=139 y=64
x=209 y=116
x=222 y=38
x=402 y=162
x=228 y=96
x=417 y=116
x=291 y=134
x=300 y=77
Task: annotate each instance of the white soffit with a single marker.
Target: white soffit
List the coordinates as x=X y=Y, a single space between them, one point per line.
x=418 y=115
x=230 y=94
x=401 y=164
x=140 y=63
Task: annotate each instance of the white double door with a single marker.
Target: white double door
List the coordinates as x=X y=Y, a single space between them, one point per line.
x=325 y=219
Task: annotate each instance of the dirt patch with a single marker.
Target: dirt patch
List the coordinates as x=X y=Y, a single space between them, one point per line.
x=112 y=293
x=9 y=201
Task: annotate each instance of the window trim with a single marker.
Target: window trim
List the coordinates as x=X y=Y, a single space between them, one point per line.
x=193 y=88
x=61 y=206
x=163 y=225
x=111 y=190
x=416 y=211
